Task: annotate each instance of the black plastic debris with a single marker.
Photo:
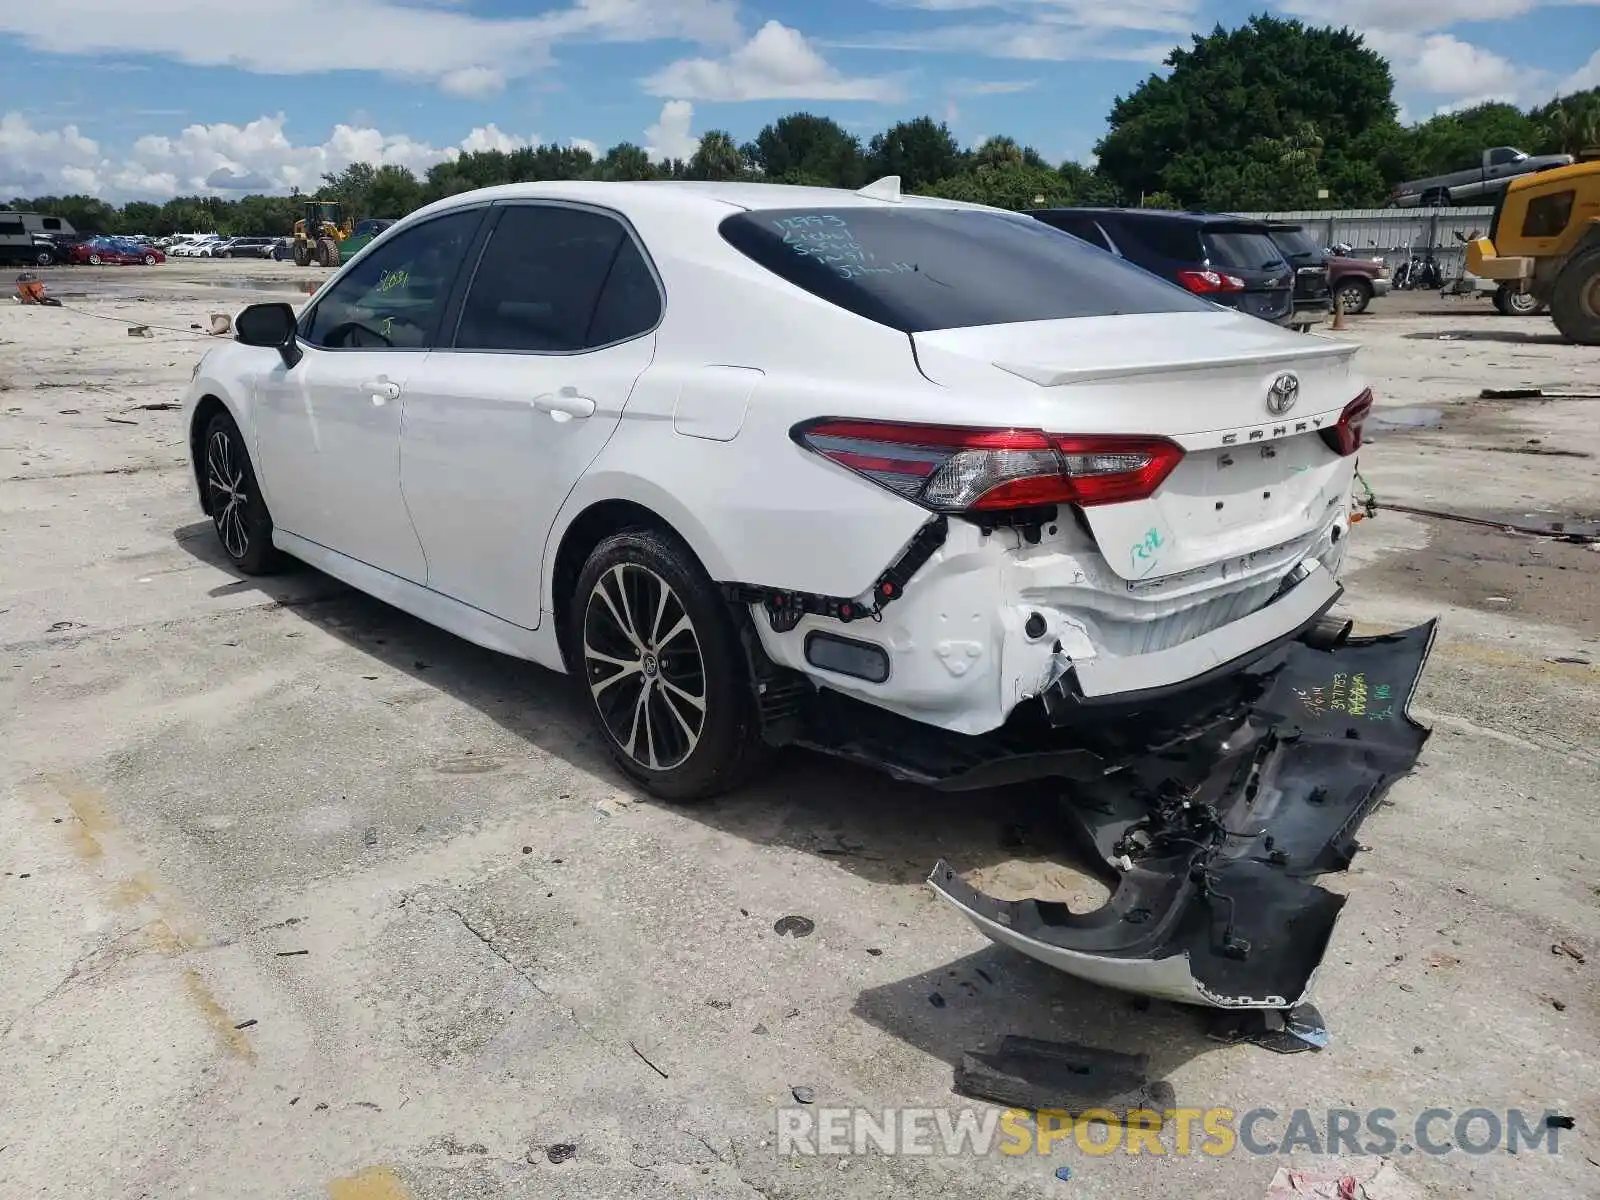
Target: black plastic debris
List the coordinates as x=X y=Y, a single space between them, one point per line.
x=1212 y=844
x=793 y=926
x=560 y=1152
x=1062 y=1076
x=1291 y=1031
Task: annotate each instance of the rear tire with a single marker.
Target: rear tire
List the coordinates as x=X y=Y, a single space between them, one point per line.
x=233 y=497
x=327 y=252
x=1354 y=295
x=149 y=260
x=302 y=255
x=662 y=667
x=44 y=258
x=94 y=260
x=1575 y=303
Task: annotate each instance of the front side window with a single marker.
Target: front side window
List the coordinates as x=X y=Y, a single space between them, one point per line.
x=52 y=223
x=556 y=280
x=394 y=297
x=1548 y=215
x=1502 y=156
x=918 y=268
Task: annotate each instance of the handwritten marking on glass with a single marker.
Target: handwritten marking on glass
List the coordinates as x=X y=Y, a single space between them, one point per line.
x=827 y=239
x=1352 y=695
x=390 y=280
x=1142 y=553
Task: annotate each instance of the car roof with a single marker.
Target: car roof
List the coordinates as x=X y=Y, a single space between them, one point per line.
x=1166 y=214
x=709 y=198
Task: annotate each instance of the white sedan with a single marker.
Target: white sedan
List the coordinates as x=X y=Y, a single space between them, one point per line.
x=884 y=474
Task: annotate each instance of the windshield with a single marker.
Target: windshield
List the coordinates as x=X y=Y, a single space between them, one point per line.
x=1243 y=251
x=917 y=269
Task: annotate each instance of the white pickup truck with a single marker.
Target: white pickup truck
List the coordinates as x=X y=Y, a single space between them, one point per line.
x=1475 y=185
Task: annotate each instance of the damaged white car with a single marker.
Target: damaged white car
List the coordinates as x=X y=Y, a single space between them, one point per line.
x=927 y=485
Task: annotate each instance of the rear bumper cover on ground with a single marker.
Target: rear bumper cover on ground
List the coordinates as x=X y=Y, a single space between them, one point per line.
x=1213 y=845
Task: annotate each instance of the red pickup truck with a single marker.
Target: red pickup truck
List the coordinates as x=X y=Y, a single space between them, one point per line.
x=1355 y=281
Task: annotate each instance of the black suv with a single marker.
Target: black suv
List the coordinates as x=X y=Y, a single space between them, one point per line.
x=1312 y=298
x=1229 y=260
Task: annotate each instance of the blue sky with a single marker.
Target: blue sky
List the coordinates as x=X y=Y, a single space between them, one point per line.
x=176 y=96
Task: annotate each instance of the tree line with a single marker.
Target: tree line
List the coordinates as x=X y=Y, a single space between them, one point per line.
x=1271 y=115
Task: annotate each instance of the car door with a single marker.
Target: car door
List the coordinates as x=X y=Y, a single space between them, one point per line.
x=555 y=327
x=328 y=428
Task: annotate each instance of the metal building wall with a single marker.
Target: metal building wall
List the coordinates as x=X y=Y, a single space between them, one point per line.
x=1394 y=234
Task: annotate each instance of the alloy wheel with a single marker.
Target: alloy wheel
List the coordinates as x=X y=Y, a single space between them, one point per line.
x=225 y=478
x=644 y=666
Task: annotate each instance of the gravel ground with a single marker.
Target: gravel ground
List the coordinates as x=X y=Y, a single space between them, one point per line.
x=302 y=898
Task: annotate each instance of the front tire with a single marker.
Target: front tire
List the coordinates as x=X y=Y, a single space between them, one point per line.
x=149 y=260
x=233 y=497
x=327 y=252
x=1354 y=296
x=94 y=260
x=1575 y=302
x=661 y=664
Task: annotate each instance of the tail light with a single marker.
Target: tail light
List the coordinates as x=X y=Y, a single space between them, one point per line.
x=1210 y=281
x=954 y=469
x=1345 y=437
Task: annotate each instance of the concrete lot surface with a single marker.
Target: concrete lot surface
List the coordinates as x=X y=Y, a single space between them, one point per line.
x=301 y=898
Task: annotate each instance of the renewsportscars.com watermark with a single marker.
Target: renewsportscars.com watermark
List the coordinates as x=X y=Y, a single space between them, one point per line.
x=1175 y=1131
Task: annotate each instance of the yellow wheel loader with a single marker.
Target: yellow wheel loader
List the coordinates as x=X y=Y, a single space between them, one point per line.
x=1545 y=244
x=317 y=235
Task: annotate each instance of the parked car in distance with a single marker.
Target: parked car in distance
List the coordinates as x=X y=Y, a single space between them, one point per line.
x=27 y=238
x=247 y=247
x=1481 y=184
x=111 y=251
x=1313 y=299
x=280 y=250
x=678 y=439
x=1228 y=260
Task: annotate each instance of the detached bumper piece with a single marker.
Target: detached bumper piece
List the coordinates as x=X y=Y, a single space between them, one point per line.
x=1213 y=843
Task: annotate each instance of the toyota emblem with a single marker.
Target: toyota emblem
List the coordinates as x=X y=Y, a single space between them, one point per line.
x=1285 y=390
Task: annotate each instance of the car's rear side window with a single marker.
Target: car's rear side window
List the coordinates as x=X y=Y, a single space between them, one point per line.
x=539 y=280
x=1167 y=238
x=916 y=269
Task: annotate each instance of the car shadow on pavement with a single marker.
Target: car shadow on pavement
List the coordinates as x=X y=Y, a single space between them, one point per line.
x=971 y=1003
x=1515 y=336
x=879 y=829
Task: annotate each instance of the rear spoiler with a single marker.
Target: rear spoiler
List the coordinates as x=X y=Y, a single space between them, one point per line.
x=1047 y=376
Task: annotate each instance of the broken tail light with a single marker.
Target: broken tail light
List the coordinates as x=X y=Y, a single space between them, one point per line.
x=1204 y=282
x=954 y=469
x=1344 y=438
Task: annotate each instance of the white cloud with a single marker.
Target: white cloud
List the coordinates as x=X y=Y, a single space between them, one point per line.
x=465 y=54
x=1410 y=18
x=1175 y=16
x=473 y=82
x=669 y=137
x=210 y=159
x=1030 y=41
x=776 y=64
x=1585 y=77
x=992 y=87
x=585 y=144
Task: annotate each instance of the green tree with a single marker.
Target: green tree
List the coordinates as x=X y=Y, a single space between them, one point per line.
x=625 y=161
x=1089 y=187
x=717 y=157
x=1568 y=124
x=1456 y=141
x=352 y=188
x=804 y=148
x=1013 y=185
x=919 y=151
x=1220 y=115
x=395 y=191
x=999 y=151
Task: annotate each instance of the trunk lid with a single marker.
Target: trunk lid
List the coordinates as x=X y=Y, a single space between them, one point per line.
x=1251 y=481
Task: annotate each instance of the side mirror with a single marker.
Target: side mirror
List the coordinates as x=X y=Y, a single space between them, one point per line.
x=269 y=325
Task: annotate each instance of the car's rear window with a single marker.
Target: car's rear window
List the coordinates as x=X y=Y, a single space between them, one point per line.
x=916 y=269
x=1243 y=250
x=1297 y=243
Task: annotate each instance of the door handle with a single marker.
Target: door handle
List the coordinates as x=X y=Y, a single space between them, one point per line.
x=381 y=390
x=565 y=404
